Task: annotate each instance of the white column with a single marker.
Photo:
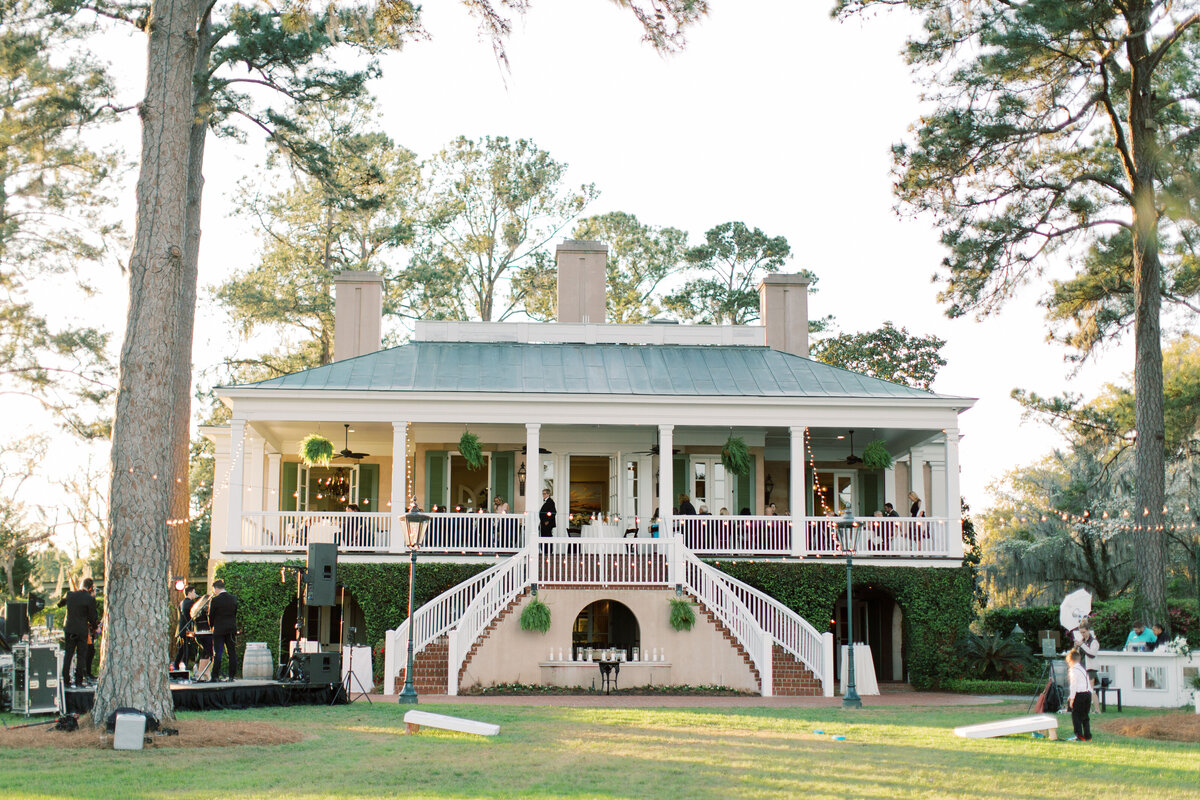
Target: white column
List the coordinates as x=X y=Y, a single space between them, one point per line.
x=218 y=533
x=798 y=492
x=255 y=488
x=889 y=487
x=274 y=466
x=666 y=497
x=953 y=494
x=533 y=495
x=237 y=489
x=399 y=501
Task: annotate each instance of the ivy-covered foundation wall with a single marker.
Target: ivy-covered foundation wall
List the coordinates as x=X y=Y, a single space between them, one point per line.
x=937 y=604
x=381 y=590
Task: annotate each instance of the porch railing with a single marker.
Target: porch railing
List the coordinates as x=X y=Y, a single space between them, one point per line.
x=608 y=562
x=764 y=536
x=505 y=534
x=451 y=532
x=432 y=620
x=285 y=531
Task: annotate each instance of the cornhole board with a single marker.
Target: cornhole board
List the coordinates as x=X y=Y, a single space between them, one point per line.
x=413 y=720
x=1005 y=727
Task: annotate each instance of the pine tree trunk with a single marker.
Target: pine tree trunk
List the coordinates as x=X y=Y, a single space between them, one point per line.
x=134 y=652
x=1150 y=602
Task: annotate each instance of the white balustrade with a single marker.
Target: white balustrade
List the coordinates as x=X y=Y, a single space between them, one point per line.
x=451 y=532
x=505 y=584
x=604 y=561
x=766 y=536
x=432 y=621
x=286 y=531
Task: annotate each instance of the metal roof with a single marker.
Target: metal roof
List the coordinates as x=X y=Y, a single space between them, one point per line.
x=593 y=369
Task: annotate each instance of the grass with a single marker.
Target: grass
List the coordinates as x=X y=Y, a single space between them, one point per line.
x=360 y=751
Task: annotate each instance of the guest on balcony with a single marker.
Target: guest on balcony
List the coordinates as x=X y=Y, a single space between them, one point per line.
x=685 y=506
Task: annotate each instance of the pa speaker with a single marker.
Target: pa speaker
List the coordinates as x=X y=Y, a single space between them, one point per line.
x=322 y=575
x=319 y=669
x=16 y=621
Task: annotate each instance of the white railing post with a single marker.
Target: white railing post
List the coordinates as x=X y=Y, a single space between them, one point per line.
x=827 y=676
x=389 y=662
x=954 y=542
x=453 y=661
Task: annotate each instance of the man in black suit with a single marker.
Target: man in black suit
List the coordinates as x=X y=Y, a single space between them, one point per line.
x=547 y=515
x=81 y=619
x=183 y=628
x=222 y=613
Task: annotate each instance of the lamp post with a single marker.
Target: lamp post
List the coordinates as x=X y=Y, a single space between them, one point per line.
x=415 y=524
x=847 y=533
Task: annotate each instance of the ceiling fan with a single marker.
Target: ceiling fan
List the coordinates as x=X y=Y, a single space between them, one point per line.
x=655 y=448
x=347 y=452
x=852 y=459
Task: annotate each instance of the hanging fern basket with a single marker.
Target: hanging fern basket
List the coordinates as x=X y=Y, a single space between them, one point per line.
x=735 y=456
x=876 y=456
x=316 y=450
x=536 y=617
x=682 y=616
x=472 y=453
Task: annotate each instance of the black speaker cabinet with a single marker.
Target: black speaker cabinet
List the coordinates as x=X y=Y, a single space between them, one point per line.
x=318 y=669
x=322 y=575
x=16 y=621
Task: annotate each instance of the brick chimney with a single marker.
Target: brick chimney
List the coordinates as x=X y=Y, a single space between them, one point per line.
x=357 y=313
x=783 y=306
x=582 y=281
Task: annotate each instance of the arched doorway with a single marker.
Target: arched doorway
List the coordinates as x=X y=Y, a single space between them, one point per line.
x=878 y=621
x=325 y=624
x=606 y=623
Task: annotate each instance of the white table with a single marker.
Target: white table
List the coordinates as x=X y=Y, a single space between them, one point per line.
x=864 y=670
x=603 y=530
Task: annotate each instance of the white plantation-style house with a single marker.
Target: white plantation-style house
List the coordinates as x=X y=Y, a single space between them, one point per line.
x=616 y=422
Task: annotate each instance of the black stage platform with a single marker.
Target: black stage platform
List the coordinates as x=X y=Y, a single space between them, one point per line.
x=235 y=694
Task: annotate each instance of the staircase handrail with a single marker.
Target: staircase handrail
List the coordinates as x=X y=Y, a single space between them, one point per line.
x=722 y=601
x=433 y=620
x=507 y=582
x=791 y=631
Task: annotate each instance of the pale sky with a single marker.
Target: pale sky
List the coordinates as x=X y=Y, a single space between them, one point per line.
x=775 y=115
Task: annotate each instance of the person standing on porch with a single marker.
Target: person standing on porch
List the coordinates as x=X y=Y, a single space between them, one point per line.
x=547 y=515
x=915 y=509
x=222 y=612
x=685 y=506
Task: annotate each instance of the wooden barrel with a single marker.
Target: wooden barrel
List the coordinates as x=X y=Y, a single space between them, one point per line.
x=257 y=661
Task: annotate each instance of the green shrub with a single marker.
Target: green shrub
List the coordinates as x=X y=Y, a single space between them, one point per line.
x=470 y=449
x=535 y=617
x=977 y=686
x=876 y=455
x=991 y=656
x=735 y=457
x=316 y=450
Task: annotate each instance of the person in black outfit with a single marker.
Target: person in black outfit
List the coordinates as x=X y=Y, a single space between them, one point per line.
x=685 y=506
x=183 y=654
x=889 y=510
x=222 y=613
x=81 y=619
x=547 y=515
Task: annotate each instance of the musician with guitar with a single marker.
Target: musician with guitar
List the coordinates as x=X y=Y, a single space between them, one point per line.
x=202 y=633
x=183 y=654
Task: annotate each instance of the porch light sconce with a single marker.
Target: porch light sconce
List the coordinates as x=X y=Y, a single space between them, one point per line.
x=415 y=525
x=521 y=478
x=179 y=583
x=768 y=487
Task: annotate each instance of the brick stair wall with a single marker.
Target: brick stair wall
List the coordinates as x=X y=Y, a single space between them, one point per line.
x=508 y=609
x=734 y=643
x=430 y=668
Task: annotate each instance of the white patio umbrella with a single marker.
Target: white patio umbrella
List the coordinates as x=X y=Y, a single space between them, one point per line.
x=1075 y=606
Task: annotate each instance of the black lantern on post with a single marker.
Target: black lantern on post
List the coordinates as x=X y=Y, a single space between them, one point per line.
x=848 y=530
x=521 y=478
x=415 y=524
x=768 y=487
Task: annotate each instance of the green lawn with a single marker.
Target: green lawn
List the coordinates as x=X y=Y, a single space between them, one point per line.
x=361 y=751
